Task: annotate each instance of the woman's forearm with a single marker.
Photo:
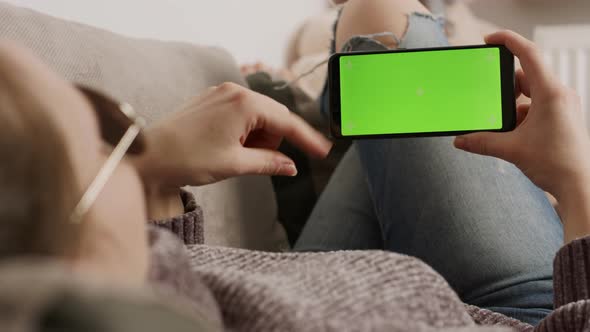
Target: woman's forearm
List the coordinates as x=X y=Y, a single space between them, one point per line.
x=163 y=203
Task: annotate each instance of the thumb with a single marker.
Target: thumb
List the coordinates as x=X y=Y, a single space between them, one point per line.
x=485 y=143
x=259 y=161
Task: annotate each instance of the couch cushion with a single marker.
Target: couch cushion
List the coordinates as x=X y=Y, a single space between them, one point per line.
x=155 y=77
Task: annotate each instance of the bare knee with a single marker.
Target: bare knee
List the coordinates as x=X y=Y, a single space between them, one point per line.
x=362 y=17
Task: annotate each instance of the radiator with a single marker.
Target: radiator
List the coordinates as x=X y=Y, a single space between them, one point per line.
x=566 y=49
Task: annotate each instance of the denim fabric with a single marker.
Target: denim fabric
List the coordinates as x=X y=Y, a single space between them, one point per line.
x=477 y=220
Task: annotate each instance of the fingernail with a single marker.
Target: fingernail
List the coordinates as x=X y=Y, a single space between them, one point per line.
x=289 y=169
x=460 y=142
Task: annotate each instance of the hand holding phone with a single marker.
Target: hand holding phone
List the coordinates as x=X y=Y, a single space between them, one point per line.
x=550 y=143
x=422 y=92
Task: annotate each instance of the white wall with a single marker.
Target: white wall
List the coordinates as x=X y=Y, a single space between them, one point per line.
x=524 y=15
x=251 y=29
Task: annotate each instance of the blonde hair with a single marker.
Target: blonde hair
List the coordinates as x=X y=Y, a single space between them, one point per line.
x=37 y=187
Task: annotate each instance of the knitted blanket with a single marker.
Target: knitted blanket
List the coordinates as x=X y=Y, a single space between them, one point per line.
x=245 y=290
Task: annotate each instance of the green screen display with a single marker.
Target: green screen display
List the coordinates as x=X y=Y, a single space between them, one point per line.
x=420 y=92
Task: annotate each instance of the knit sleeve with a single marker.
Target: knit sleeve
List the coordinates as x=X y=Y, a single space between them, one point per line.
x=189 y=226
x=571 y=272
x=571 y=286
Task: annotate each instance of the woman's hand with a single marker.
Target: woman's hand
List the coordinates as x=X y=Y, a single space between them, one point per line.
x=227 y=131
x=550 y=144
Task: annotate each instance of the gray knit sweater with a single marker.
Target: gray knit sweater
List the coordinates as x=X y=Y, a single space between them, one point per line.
x=242 y=290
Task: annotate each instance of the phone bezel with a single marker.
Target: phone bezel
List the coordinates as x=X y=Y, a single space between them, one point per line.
x=507 y=92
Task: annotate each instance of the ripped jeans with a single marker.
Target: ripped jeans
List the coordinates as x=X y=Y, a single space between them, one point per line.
x=476 y=220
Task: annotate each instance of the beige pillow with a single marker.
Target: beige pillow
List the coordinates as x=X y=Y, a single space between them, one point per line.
x=155 y=77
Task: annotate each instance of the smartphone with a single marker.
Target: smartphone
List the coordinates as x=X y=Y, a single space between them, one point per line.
x=421 y=92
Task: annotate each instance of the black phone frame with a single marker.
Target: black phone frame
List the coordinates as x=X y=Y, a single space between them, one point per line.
x=508 y=83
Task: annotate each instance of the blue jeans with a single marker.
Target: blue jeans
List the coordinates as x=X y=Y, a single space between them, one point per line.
x=476 y=220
